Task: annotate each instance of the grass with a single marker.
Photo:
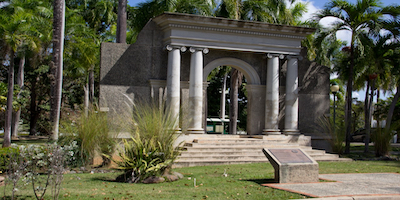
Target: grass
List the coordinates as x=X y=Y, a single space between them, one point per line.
x=242 y=182
x=357 y=152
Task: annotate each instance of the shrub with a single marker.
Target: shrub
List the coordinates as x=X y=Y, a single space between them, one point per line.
x=42 y=166
x=382 y=139
x=92 y=136
x=5 y=157
x=151 y=150
x=336 y=137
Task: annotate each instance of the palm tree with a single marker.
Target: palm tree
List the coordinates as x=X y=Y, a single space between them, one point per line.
x=357 y=19
x=393 y=26
x=37 y=62
x=121 y=22
x=82 y=53
x=145 y=11
x=34 y=12
x=377 y=73
x=14 y=22
x=57 y=65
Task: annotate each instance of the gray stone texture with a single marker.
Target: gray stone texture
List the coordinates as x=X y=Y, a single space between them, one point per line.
x=296 y=170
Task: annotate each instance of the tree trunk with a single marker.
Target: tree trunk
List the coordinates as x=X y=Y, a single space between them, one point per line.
x=236 y=81
x=34 y=112
x=9 y=111
x=86 y=99
x=368 y=124
x=91 y=85
x=223 y=98
x=391 y=109
x=349 y=99
x=121 y=22
x=20 y=82
x=57 y=69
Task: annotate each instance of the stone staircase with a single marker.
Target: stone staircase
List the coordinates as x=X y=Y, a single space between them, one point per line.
x=240 y=149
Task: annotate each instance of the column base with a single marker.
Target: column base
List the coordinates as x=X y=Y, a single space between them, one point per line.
x=195 y=131
x=291 y=132
x=271 y=132
x=178 y=130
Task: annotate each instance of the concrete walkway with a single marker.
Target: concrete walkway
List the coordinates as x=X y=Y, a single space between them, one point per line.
x=348 y=186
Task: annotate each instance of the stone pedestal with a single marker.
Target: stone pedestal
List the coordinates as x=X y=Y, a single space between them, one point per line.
x=292 y=165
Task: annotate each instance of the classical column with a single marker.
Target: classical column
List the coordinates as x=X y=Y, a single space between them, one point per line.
x=173 y=80
x=272 y=95
x=291 y=99
x=196 y=90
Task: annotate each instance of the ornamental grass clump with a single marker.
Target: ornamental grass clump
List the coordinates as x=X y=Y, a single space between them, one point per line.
x=151 y=150
x=92 y=135
x=382 y=138
x=336 y=135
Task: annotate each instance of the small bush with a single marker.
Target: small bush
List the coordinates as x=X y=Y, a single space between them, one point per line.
x=336 y=136
x=92 y=136
x=151 y=150
x=41 y=166
x=5 y=157
x=382 y=139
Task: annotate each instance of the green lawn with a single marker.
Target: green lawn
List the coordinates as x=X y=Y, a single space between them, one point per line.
x=242 y=182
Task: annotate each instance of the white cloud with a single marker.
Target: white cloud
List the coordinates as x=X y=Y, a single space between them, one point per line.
x=326 y=22
x=4 y=4
x=311 y=10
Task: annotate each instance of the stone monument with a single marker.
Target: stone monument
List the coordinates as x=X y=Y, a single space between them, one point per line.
x=292 y=165
x=174 y=54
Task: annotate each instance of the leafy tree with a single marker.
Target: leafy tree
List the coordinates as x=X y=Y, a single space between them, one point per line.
x=357 y=18
x=140 y=15
x=14 y=23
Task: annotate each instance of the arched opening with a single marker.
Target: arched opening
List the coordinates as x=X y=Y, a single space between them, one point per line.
x=227 y=110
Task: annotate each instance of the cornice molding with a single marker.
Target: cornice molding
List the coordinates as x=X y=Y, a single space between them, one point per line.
x=234 y=31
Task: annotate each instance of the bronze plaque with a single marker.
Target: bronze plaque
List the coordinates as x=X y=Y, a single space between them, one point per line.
x=290 y=156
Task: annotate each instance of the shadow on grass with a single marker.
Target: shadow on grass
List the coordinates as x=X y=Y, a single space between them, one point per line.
x=107 y=179
x=19 y=197
x=262 y=181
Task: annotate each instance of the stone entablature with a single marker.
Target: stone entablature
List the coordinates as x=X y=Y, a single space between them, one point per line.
x=229 y=34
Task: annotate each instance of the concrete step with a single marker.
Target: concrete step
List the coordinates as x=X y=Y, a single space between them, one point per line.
x=223 y=157
x=240 y=145
x=240 y=149
x=193 y=163
x=238 y=140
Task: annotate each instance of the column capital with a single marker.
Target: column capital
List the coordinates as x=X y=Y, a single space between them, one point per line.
x=194 y=49
x=170 y=47
x=271 y=55
x=298 y=57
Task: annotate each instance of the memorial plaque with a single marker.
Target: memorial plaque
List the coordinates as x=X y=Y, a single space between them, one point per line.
x=292 y=165
x=290 y=156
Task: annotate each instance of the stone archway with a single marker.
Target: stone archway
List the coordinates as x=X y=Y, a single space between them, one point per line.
x=247 y=70
x=253 y=88
x=157 y=66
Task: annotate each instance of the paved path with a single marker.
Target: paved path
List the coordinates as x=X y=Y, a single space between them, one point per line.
x=356 y=186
